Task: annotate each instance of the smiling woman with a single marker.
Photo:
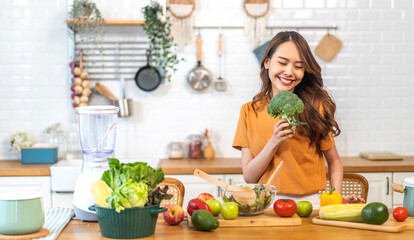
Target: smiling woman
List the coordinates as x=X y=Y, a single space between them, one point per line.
x=288 y=65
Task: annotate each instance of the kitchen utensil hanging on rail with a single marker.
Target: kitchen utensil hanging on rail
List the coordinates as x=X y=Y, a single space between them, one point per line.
x=220 y=85
x=124 y=103
x=148 y=78
x=328 y=47
x=256 y=20
x=199 y=77
x=182 y=21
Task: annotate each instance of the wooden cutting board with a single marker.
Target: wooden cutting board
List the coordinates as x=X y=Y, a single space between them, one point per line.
x=380 y=156
x=328 y=47
x=266 y=219
x=390 y=225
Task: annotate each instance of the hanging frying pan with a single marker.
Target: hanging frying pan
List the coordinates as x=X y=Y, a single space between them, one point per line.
x=148 y=78
x=199 y=77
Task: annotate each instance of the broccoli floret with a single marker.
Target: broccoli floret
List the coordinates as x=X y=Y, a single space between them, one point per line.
x=286 y=104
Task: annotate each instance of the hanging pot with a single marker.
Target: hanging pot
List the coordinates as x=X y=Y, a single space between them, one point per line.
x=148 y=78
x=199 y=77
x=408 y=190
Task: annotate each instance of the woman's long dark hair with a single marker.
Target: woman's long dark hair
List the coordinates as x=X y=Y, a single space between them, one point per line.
x=310 y=90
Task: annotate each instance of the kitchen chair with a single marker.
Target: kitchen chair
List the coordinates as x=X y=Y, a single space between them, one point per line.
x=352 y=184
x=176 y=188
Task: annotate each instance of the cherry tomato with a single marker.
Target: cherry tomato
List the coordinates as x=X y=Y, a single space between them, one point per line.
x=285 y=207
x=400 y=214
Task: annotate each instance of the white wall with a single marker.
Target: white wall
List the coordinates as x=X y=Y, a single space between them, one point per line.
x=371 y=79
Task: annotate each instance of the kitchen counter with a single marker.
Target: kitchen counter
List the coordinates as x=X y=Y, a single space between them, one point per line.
x=216 y=166
x=233 y=165
x=78 y=230
x=16 y=168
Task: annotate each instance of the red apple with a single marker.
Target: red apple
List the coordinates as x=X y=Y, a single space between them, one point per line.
x=174 y=215
x=206 y=196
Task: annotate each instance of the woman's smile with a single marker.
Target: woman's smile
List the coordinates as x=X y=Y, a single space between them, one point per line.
x=285 y=81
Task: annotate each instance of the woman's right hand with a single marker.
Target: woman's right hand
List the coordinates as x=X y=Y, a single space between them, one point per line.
x=280 y=135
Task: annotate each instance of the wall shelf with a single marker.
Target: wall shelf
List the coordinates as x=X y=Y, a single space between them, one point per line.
x=117 y=22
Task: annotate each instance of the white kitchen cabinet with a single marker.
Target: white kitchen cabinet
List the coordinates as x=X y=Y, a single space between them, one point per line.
x=195 y=185
x=234 y=179
x=398 y=177
x=62 y=199
x=37 y=184
x=379 y=187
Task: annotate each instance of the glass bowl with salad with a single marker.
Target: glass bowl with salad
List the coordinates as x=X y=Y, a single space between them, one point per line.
x=264 y=199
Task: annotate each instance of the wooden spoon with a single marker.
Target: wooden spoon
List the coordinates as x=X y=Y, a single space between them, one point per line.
x=105 y=91
x=274 y=174
x=243 y=195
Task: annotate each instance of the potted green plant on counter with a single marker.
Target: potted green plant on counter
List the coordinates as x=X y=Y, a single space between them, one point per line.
x=162 y=46
x=128 y=199
x=19 y=140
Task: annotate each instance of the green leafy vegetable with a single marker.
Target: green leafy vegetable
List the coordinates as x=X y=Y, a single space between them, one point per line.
x=134 y=185
x=286 y=104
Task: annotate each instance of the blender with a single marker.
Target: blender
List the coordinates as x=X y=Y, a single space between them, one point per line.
x=97 y=130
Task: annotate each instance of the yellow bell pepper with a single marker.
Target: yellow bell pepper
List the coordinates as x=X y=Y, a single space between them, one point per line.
x=330 y=198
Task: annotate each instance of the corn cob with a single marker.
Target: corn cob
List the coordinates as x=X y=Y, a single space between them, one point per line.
x=342 y=212
x=101 y=191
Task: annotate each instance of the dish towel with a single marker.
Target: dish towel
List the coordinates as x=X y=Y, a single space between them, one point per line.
x=55 y=220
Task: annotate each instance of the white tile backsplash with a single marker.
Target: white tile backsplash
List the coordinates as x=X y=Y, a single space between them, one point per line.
x=371 y=79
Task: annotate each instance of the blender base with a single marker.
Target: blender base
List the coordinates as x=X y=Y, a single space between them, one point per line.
x=85 y=215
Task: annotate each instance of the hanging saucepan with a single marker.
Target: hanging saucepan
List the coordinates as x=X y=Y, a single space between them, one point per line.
x=148 y=78
x=199 y=77
x=408 y=190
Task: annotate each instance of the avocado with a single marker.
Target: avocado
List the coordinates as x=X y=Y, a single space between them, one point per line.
x=375 y=213
x=204 y=220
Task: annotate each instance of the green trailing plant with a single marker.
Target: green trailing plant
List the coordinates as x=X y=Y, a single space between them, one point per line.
x=86 y=24
x=162 y=46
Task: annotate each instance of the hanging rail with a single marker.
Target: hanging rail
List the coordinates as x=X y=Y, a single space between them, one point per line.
x=334 y=26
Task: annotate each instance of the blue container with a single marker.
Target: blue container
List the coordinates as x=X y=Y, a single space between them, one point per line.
x=39 y=155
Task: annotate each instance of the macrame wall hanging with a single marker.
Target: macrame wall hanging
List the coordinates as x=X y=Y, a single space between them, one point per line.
x=255 y=27
x=182 y=21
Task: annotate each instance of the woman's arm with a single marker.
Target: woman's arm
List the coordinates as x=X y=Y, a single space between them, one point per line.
x=336 y=175
x=253 y=167
x=335 y=168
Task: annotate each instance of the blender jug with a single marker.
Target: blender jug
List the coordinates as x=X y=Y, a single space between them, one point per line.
x=97 y=130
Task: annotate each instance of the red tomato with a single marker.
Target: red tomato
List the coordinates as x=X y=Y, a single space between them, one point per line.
x=285 y=207
x=400 y=214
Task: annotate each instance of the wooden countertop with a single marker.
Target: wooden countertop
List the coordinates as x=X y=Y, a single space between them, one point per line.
x=16 y=168
x=216 y=166
x=76 y=230
x=233 y=165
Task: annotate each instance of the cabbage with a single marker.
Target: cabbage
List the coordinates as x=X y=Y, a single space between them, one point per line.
x=134 y=185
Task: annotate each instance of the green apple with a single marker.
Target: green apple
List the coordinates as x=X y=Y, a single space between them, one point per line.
x=215 y=206
x=304 y=208
x=229 y=210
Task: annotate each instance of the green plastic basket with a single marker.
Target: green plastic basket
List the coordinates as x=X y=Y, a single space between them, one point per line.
x=128 y=224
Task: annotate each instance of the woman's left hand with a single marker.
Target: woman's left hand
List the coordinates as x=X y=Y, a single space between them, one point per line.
x=352 y=199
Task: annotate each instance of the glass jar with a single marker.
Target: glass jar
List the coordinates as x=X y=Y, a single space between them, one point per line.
x=195 y=146
x=175 y=150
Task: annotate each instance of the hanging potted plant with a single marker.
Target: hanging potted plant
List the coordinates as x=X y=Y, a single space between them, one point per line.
x=84 y=15
x=161 y=43
x=86 y=24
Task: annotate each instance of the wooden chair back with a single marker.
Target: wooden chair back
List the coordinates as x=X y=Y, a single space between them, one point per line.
x=176 y=188
x=352 y=184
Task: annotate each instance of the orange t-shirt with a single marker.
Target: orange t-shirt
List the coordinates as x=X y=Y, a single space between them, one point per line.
x=303 y=170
